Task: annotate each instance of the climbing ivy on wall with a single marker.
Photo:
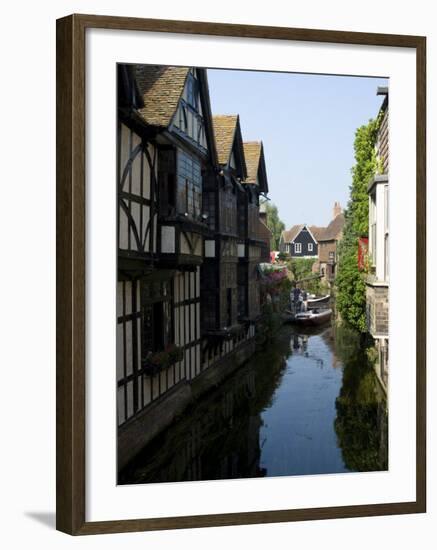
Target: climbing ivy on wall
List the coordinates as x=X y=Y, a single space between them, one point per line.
x=350 y=281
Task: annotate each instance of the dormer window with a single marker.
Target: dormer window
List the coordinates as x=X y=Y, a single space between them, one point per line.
x=188 y=121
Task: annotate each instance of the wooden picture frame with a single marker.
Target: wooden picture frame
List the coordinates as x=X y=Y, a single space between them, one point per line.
x=71 y=247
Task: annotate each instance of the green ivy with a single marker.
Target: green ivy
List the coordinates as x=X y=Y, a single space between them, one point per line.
x=350 y=281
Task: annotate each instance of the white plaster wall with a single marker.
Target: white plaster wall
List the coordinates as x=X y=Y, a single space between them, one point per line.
x=209 y=249
x=185 y=247
x=167 y=239
x=380 y=232
x=136 y=208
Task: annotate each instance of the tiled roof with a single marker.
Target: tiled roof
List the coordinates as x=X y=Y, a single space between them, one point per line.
x=161 y=88
x=334 y=229
x=332 y=232
x=224 y=131
x=317 y=232
x=252 y=155
x=288 y=235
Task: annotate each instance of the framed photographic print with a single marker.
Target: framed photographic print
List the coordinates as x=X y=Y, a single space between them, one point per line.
x=240 y=274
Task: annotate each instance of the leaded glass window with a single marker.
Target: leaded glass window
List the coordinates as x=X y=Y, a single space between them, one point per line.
x=189 y=179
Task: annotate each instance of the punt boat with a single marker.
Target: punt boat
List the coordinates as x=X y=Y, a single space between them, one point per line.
x=313 y=317
x=318 y=302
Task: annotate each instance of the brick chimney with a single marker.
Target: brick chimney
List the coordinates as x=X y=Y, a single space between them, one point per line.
x=336 y=210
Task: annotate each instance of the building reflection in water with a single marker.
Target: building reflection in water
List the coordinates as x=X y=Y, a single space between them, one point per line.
x=240 y=429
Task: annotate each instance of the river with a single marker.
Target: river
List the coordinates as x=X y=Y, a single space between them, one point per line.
x=307 y=403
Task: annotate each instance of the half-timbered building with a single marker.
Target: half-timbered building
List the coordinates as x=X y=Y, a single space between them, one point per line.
x=219 y=270
x=182 y=179
x=251 y=238
x=165 y=144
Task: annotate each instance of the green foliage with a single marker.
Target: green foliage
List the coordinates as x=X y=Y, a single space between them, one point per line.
x=372 y=355
x=274 y=223
x=363 y=171
x=322 y=288
x=314 y=287
x=351 y=288
x=300 y=268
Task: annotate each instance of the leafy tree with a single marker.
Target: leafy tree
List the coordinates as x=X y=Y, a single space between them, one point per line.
x=351 y=288
x=301 y=268
x=274 y=223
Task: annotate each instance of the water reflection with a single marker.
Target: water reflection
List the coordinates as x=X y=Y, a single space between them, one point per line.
x=361 y=423
x=307 y=404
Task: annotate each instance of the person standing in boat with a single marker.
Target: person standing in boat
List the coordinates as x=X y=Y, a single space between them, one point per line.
x=296 y=298
x=304 y=296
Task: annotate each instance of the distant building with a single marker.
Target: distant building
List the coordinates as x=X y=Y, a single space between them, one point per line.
x=328 y=242
x=301 y=241
x=378 y=254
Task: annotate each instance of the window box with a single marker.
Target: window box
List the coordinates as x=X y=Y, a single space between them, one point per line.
x=160 y=360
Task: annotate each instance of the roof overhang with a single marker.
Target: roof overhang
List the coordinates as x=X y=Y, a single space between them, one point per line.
x=382 y=90
x=380 y=179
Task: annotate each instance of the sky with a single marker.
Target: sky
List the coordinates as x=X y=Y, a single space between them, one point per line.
x=307 y=125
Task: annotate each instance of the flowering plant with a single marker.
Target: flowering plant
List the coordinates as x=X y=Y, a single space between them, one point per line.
x=273 y=279
x=159 y=360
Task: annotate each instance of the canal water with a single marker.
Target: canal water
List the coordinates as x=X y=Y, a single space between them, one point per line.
x=307 y=403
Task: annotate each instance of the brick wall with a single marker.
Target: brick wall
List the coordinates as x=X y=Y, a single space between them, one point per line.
x=377 y=309
x=325 y=247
